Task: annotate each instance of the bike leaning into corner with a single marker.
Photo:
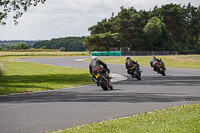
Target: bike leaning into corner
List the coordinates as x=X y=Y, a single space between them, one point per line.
x=100 y=73
x=133 y=68
x=158 y=65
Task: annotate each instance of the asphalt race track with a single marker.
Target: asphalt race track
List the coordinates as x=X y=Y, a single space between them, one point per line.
x=60 y=109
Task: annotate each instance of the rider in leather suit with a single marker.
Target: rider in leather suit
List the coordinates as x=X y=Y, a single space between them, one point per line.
x=130 y=63
x=153 y=62
x=97 y=64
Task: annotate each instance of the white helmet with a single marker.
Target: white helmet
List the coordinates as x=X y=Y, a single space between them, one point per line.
x=93 y=58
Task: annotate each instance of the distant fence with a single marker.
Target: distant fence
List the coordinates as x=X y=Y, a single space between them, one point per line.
x=106 y=53
x=187 y=53
x=125 y=53
x=138 y=53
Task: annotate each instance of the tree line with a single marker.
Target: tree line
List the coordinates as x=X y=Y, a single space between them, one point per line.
x=15 y=47
x=63 y=44
x=15 y=42
x=170 y=27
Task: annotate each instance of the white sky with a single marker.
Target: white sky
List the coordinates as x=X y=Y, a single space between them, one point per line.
x=64 y=18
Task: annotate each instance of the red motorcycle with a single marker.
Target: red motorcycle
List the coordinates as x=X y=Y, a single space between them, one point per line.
x=102 y=79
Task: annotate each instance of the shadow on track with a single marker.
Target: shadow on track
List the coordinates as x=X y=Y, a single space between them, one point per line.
x=164 y=81
x=99 y=96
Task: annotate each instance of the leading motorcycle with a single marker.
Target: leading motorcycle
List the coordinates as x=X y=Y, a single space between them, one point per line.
x=159 y=67
x=102 y=79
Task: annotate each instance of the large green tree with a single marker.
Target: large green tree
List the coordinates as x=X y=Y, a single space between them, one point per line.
x=172 y=15
x=101 y=27
x=18 y=6
x=192 y=27
x=155 y=29
x=101 y=42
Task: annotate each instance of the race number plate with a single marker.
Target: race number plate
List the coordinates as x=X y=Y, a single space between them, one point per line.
x=132 y=67
x=97 y=75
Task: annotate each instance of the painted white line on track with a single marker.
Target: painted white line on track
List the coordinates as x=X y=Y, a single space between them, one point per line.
x=117 y=77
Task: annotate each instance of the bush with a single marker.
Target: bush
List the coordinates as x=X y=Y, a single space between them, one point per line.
x=2 y=68
x=22 y=46
x=62 y=49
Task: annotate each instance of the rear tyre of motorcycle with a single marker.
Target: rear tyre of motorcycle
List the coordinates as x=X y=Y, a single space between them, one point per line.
x=162 y=71
x=103 y=84
x=137 y=75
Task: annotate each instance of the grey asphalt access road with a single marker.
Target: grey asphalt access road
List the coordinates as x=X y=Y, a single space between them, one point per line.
x=60 y=109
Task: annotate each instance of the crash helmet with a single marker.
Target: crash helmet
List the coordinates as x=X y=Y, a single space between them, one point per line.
x=153 y=57
x=128 y=58
x=93 y=58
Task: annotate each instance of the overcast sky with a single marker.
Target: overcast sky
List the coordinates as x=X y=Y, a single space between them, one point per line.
x=64 y=18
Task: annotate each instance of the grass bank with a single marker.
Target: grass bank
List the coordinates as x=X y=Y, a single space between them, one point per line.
x=21 y=77
x=179 y=61
x=182 y=119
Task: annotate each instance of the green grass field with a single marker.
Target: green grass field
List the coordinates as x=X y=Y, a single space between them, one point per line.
x=189 y=61
x=21 y=77
x=182 y=119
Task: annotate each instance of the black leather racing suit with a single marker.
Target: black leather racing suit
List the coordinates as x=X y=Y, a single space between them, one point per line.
x=97 y=64
x=130 y=63
x=153 y=63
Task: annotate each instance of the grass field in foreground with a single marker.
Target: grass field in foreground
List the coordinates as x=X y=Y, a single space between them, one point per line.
x=187 y=61
x=182 y=119
x=23 y=77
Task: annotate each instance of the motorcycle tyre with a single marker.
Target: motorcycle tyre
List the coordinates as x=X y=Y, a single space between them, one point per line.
x=137 y=75
x=103 y=84
x=162 y=71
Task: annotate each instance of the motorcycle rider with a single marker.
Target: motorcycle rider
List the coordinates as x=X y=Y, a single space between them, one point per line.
x=154 y=61
x=97 y=64
x=130 y=63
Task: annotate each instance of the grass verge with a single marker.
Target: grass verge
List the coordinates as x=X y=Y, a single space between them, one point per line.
x=182 y=119
x=187 y=61
x=23 y=77
x=2 y=68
